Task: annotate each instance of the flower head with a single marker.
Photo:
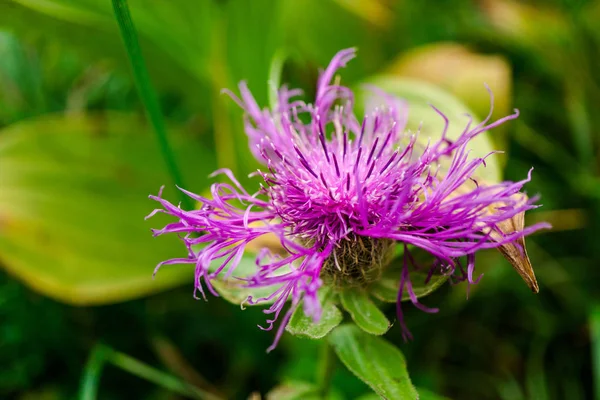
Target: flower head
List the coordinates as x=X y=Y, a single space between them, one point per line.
x=339 y=193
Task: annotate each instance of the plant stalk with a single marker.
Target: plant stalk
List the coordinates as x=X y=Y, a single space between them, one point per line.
x=147 y=93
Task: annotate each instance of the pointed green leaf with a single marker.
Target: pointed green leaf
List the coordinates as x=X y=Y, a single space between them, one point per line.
x=364 y=312
x=301 y=325
x=375 y=361
x=72 y=206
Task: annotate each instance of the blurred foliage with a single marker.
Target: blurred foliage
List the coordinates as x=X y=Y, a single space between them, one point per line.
x=77 y=162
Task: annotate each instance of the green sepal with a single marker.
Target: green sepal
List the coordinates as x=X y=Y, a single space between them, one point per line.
x=386 y=288
x=364 y=312
x=301 y=325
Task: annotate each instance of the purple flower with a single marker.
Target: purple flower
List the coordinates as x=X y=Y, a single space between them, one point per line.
x=339 y=193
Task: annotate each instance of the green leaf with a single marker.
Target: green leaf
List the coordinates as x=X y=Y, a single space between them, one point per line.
x=375 y=361
x=364 y=312
x=419 y=96
x=73 y=201
x=301 y=325
x=387 y=287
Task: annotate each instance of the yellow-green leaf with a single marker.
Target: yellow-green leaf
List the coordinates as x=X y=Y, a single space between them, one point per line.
x=462 y=72
x=420 y=96
x=72 y=206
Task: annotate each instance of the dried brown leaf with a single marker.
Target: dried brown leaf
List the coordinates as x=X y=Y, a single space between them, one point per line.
x=515 y=252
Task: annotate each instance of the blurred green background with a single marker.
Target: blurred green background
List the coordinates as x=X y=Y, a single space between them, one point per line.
x=78 y=160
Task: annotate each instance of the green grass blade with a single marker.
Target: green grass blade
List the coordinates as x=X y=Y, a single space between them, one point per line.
x=275 y=72
x=595 y=339
x=91 y=374
x=535 y=380
x=146 y=91
x=156 y=376
x=103 y=354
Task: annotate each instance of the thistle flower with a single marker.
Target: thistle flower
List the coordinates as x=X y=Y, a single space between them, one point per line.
x=339 y=194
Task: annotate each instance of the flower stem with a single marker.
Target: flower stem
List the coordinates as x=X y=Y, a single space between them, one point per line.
x=147 y=93
x=326 y=369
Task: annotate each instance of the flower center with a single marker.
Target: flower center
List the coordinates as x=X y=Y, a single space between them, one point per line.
x=357 y=261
